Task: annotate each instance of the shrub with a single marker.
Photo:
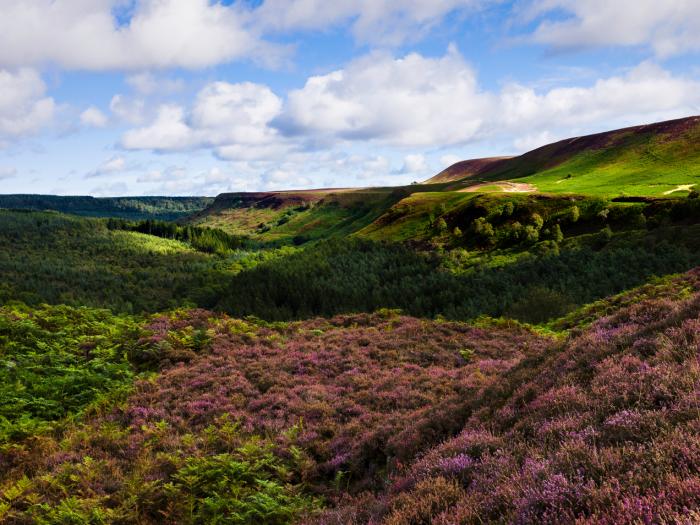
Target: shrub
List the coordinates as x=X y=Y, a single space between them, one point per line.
x=538 y=305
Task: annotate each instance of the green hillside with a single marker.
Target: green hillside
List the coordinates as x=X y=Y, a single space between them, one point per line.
x=653 y=160
x=303 y=216
x=659 y=160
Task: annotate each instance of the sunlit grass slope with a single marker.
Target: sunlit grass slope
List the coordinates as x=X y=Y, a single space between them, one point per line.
x=653 y=160
x=299 y=217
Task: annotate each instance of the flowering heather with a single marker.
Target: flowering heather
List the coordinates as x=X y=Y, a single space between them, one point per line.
x=383 y=419
x=604 y=430
x=332 y=405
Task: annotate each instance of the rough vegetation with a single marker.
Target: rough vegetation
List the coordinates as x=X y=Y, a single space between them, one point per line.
x=251 y=423
x=602 y=429
x=340 y=403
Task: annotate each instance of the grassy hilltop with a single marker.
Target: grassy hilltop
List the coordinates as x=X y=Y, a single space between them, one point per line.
x=652 y=160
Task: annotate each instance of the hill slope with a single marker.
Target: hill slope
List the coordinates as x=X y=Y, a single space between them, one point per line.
x=602 y=429
x=653 y=159
x=467 y=168
x=360 y=419
x=301 y=216
x=659 y=160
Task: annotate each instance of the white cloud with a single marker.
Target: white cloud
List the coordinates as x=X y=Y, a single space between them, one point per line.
x=410 y=101
x=414 y=164
x=138 y=35
x=110 y=166
x=448 y=160
x=436 y=102
x=147 y=83
x=385 y=109
x=233 y=118
x=669 y=27
x=23 y=107
x=86 y=34
x=168 y=132
x=127 y=109
x=376 y=21
x=645 y=93
x=93 y=117
x=235 y=113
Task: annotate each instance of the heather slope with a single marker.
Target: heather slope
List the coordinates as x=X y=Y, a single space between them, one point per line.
x=369 y=418
x=252 y=423
x=467 y=168
x=603 y=429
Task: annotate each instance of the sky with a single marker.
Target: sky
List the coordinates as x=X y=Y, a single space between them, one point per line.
x=200 y=97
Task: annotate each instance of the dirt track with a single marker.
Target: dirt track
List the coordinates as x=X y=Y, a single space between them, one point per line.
x=506 y=187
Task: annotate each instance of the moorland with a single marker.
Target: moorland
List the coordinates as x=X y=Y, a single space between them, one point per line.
x=514 y=340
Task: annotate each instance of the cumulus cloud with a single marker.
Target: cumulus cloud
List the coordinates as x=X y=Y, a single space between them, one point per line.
x=413 y=107
x=109 y=167
x=128 y=109
x=236 y=113
x=409 y=101
x=114 y=34
x=168 y=132
x=645 y=93
x=669 y=27
x=436 y=102
x=375 y=21
x=414 y=164
x=232 y=118
x=140 y=35
x=23 y=107
x=93 y=117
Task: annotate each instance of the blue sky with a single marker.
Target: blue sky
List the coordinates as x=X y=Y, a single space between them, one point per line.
x=197 y=97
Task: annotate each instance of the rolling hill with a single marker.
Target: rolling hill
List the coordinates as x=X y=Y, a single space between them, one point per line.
x=656 y=161
x=652 y=160
x=467 y=168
